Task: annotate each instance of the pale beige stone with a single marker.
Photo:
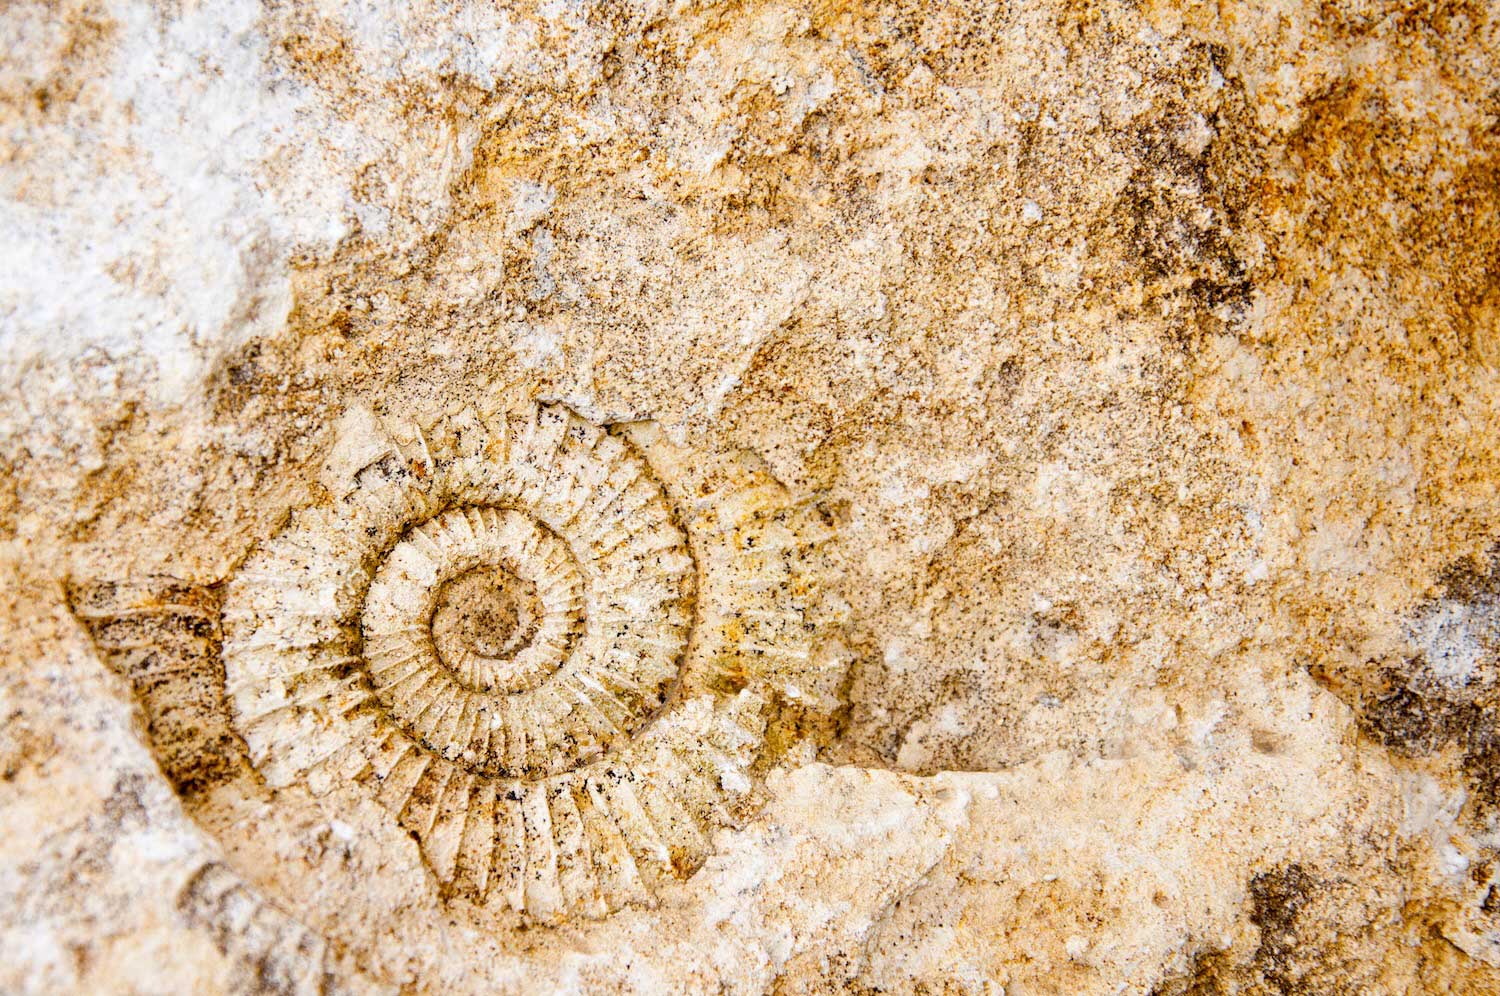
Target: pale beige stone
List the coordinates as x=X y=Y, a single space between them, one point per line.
x=1010 y=493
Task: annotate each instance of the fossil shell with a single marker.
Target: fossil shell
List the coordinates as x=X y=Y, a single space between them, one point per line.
x=483 y=632
x=545 y=664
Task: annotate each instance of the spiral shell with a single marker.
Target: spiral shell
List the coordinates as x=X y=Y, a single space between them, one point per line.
x=483 y=632
x=550 y=666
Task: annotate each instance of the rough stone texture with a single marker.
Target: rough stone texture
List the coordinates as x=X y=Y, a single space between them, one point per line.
x=1124 y=379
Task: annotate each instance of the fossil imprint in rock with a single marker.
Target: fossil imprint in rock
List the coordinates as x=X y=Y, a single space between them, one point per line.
x=501 y=633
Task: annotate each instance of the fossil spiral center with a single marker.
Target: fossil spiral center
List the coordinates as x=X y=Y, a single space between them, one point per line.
x=468 y=617
x=488 y=612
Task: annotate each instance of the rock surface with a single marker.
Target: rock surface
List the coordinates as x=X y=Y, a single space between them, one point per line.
x=1072 y=435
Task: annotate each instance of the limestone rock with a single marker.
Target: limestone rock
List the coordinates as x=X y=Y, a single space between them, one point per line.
x=683 y=497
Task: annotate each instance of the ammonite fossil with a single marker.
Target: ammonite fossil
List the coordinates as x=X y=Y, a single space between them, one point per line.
x=547 y=666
